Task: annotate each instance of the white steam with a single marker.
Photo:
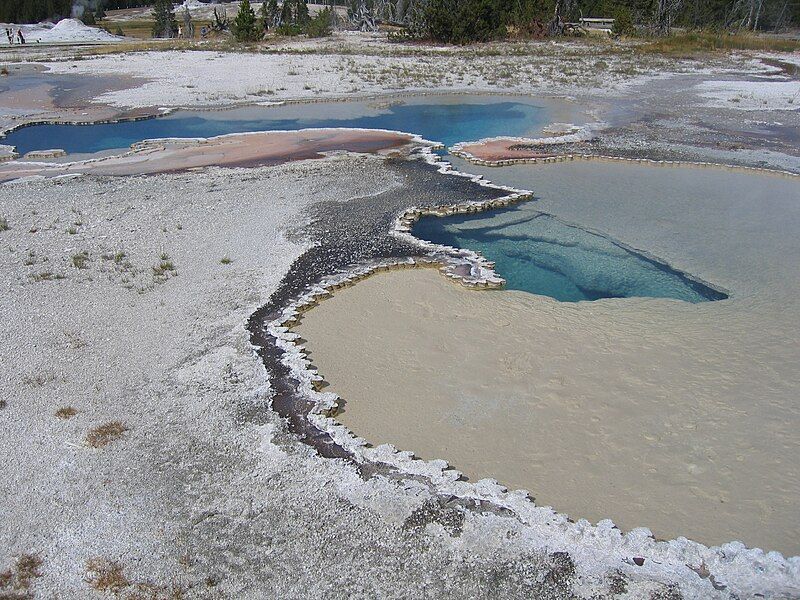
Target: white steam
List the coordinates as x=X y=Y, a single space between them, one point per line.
x=79 y=7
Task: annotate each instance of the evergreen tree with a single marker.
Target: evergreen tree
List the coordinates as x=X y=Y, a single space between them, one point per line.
x=273 y=13
x=100 y=13
x=269 y=15
x=320 y=25
x=301 y=13
x=287 y=14
x=165 y=24
x=263 y=17
x=244 y=25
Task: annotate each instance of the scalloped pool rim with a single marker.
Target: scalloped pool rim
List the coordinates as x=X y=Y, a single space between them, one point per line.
x=678 y=561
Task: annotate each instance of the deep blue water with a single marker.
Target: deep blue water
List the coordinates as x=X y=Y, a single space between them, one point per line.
x=443 y=119
x=537 y=253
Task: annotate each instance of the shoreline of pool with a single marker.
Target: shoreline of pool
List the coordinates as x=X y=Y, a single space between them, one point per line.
x=313 y=386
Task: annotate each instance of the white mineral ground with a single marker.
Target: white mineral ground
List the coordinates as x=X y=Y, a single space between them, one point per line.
x=206 y=491
x=678 y=417
x=196 y=483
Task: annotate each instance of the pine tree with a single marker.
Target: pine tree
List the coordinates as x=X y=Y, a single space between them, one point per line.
x=301 y=13
x=88 y=18
x=263 y=17
x=287 y=14
x=274 y=13
x=165 y=24
x=244 y=25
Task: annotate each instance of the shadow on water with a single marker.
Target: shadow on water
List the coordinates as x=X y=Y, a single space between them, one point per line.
x=536 y=252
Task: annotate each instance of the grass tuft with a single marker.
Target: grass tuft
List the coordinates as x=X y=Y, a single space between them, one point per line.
x=164 y=268
x=4 y=224
x=46 y=276
x=102 y=435
x=66 y=412
x=16 y=581
x=81 y=260
x=106 y=575
x=226 y=260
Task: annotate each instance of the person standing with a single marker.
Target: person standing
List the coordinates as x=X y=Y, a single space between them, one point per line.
x=19 y=35
x=9 y=35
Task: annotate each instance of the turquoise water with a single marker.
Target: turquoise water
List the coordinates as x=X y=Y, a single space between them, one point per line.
x=446 y=119
x=537 y=253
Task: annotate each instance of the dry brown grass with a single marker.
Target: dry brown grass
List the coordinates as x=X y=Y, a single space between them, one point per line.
x=106 y=575
x=66 y=412
x=692 y=43
x=102 y=435
x=15 y=583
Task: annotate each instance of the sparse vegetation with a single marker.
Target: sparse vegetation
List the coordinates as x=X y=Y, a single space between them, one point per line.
x=102 y=435
x=226 y=260
x=16 y=582
x=81 y=260
x=164 y=268
x=117 y=257
x=3 y=224
x=106 y=575
x=66 y=412
x=38 y=380
x=46 y=276
x=705 y=41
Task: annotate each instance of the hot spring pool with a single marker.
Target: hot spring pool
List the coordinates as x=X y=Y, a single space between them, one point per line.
x=447 y=119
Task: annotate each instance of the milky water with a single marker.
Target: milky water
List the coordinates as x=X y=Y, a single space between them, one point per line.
x=678 y=416
x=447 y=119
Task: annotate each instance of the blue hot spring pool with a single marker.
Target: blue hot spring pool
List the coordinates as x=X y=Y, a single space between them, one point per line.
x=446 y=119
x=538 y=253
